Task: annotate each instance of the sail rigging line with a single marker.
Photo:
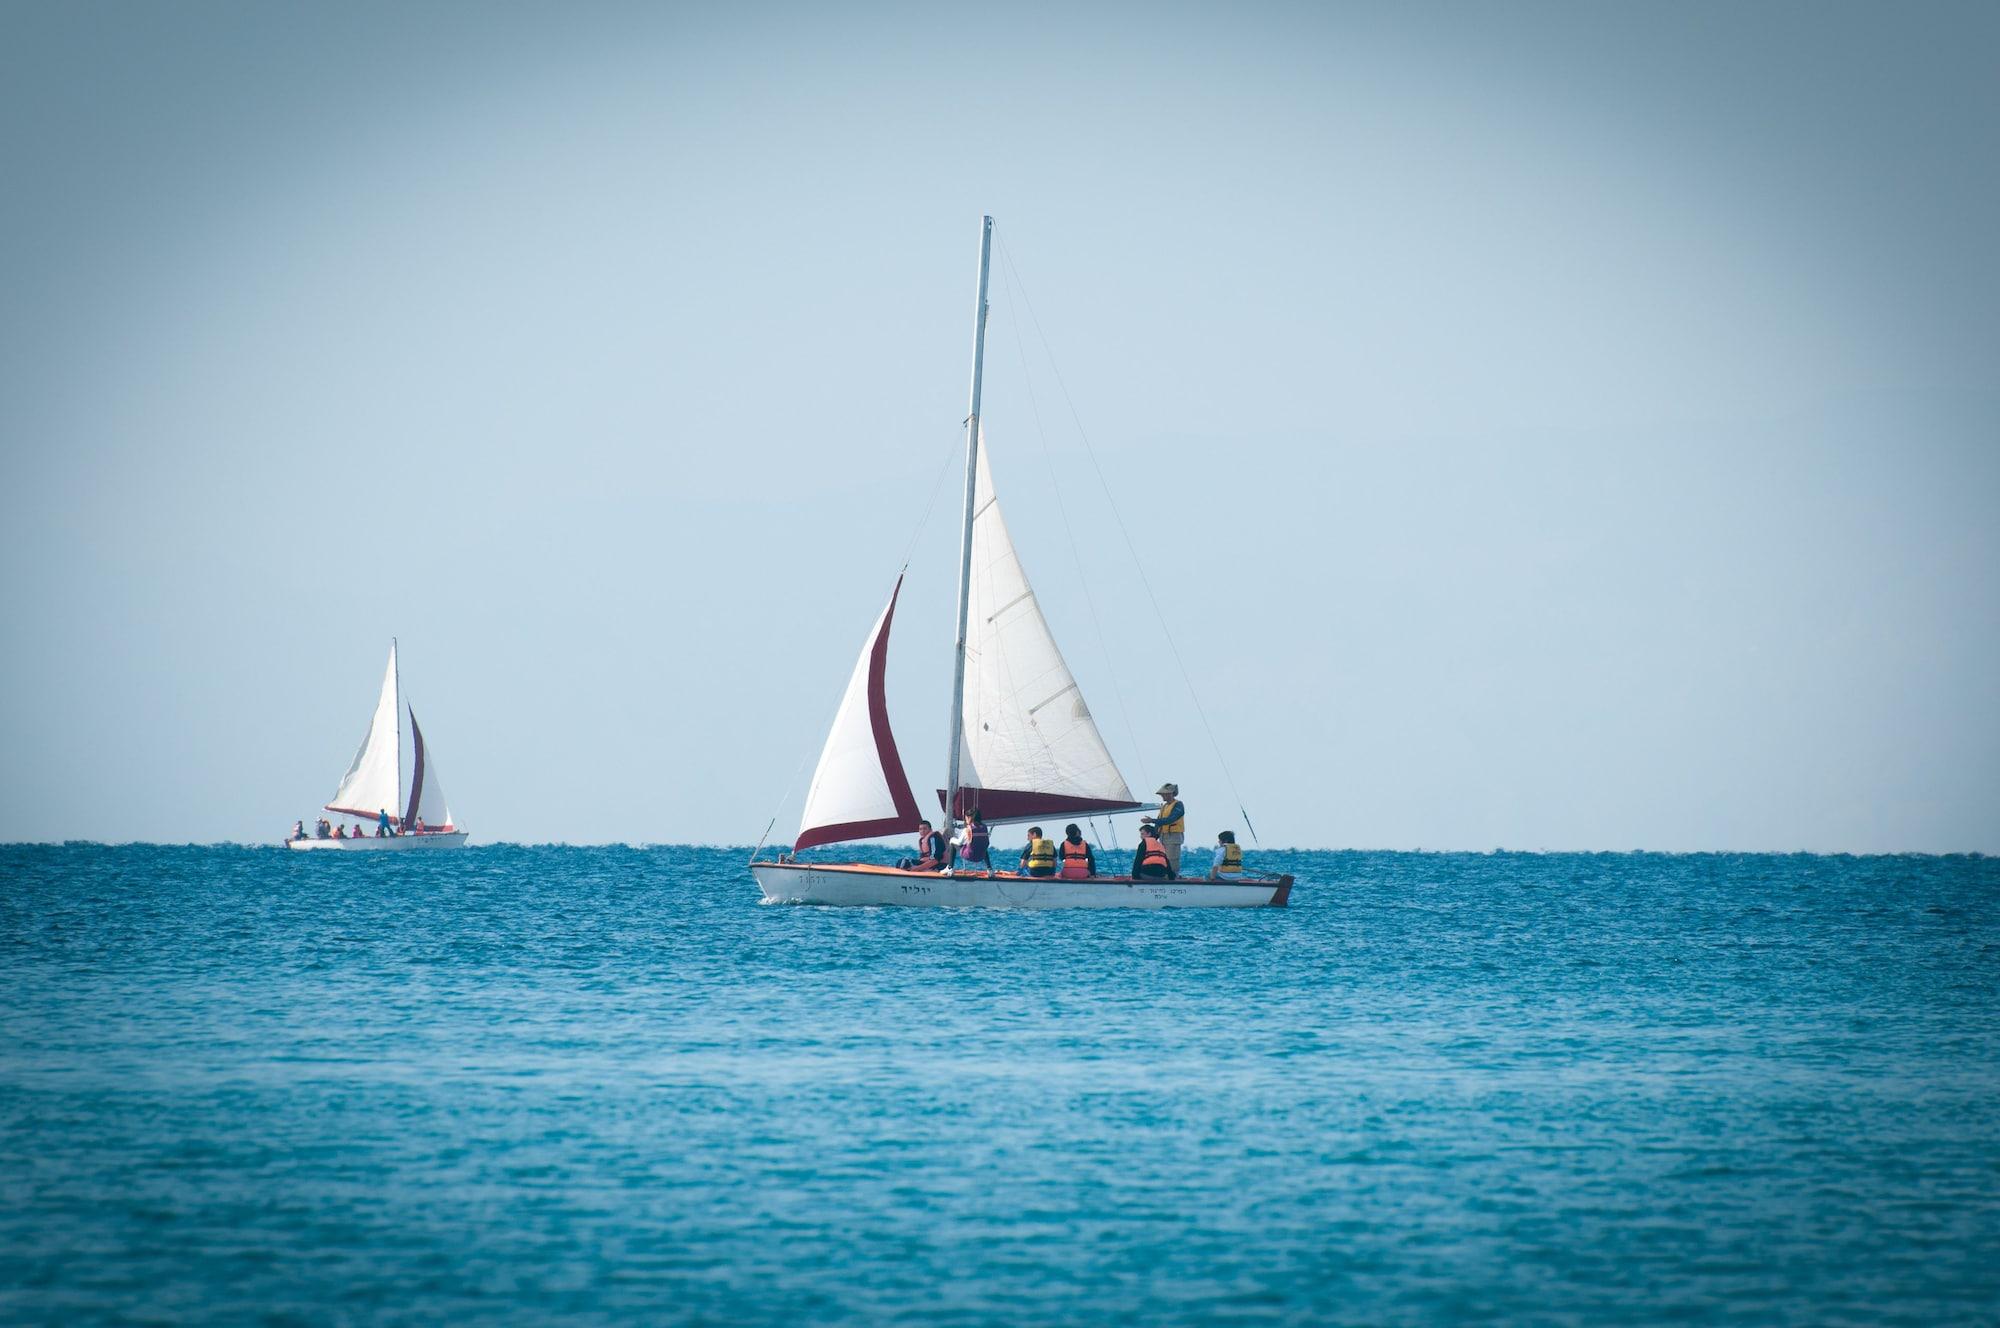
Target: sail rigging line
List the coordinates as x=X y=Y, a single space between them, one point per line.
x=1139 y=565
x=1010 y=277
x=937 y=487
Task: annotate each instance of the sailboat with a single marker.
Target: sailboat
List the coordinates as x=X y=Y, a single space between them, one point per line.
x=394 y=772
x=1024 y=746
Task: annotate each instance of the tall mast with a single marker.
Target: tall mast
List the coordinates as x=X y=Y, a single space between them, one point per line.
x=965 y=540
x=396 y=668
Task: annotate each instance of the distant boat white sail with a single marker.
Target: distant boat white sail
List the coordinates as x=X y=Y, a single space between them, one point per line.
x=1030 y=747
x=858 y=788
x=395 y=771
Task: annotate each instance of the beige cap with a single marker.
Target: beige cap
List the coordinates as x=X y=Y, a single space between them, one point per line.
x=1168 y=790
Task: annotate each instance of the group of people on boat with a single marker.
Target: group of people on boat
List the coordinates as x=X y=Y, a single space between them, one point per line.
x=1157 y=858
x=384 y=828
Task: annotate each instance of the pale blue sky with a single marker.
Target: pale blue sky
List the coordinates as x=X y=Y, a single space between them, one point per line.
x=1563 y=426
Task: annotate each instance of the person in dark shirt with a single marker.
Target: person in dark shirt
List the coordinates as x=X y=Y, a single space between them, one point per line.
x=1150 y=861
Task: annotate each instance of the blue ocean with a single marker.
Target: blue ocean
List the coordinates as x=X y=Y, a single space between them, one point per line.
x=606 y=1085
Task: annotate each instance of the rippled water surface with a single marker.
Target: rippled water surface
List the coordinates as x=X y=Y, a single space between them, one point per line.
x=606 y=1085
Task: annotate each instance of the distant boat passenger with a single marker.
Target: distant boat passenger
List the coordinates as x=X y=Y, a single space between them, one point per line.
x=977 y=843
x=1150 y=861
x=1078 y=862
x=1228 y=857
x=1039 y=857
x=931 y=853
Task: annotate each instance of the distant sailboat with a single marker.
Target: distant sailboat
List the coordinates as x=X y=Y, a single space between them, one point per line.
x=1023 y=744
x=385 y=777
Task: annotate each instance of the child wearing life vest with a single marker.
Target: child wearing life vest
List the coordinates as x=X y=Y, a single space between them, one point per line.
x=1228 y=863
x=1078 y=863
x=1039 y=857
x=1150 y=862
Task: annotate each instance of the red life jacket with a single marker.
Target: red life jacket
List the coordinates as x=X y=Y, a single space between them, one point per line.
x=1075 y=861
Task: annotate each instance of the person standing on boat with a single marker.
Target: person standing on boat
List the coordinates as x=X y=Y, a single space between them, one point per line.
x=382 y=828
x=1150 y=861
x=1078 y=862
x=1039 y=857
x=1228 y=863
x=1172 y=819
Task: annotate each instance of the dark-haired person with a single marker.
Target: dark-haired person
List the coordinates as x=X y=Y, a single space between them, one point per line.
x=1039 y=857
x=1076 y=861
x=1228 y=863
x=931 y=855
x=1150 y=861
x=975 y=843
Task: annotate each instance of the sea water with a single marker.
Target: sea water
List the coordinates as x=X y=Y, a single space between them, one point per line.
x=522 y=1085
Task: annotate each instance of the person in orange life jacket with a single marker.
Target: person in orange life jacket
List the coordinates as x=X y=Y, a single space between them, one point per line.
x=1078 y=863
x=340 y=831
x=931 y=855
x=1228 y=862
x=1172 y=819
x=1150 y=861
x=975 y=842
x=1039 y=857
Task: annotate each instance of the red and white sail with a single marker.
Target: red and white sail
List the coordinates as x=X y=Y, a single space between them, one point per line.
x=1031 y=748
x=394 y=771
x=859 y=790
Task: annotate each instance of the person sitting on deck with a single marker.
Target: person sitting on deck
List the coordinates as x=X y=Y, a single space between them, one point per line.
x=975 y=843
x=299 y=828
x=420 y=825
x=381 y=832
x=931 y=854
x=1228 y=863
x=1039 y=857
x=1150 y=861
x=323 y=829
x=382 y=829
x=340 y=831
x=1078 y=862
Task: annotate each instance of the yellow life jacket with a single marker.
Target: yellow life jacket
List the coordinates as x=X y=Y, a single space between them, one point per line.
x=1041 y=853
x=1172 y=827
x=1232 y=860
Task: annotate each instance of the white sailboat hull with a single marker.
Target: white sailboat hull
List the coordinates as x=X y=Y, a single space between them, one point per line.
x=389 y=844
x=865 y=885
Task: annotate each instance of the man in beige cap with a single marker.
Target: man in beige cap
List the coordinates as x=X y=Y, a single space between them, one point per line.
x=1172 y=818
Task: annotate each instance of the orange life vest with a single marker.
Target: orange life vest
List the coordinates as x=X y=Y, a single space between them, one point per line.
x=1075 y=861
x=1152 y=853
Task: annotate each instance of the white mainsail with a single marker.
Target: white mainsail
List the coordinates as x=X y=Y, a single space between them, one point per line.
x=1030 y=747
x=393 y=758
x=858 y=788
x=374 y=782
